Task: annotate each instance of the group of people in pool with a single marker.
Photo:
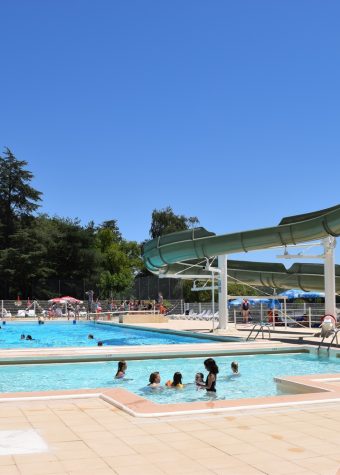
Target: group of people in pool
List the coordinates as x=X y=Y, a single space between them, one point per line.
x=209 y=384
x=26 y=337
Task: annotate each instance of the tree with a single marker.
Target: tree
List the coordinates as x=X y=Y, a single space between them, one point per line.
x=18 y=200
x=165 y=221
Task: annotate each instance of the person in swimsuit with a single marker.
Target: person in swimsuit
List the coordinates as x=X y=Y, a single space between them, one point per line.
x=154 y=380
x=210 y=383
x=199 y=381
x=122 y=367
x=245 y=310
x=234 y=367
x=176 y=382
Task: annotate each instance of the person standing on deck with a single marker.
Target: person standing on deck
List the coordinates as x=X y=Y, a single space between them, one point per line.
x=245 y=310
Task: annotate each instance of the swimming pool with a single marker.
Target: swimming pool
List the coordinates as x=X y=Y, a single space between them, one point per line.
x=255 y=379
x=68 y=335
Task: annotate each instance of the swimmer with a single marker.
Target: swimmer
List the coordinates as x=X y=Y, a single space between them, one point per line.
x=29 y=337
x=210 y=383
x=122 y=367
x=176 y=382
x=90 y=336
x=22 y=337
x=100 y=343
x=199 y=380
x=234 y=367
x=154 y=380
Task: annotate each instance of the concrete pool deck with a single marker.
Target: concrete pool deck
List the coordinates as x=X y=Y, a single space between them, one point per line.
x=86 y=437
x=92 y=436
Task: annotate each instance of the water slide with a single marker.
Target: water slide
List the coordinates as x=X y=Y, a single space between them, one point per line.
x=304 y=276
x=168 y=254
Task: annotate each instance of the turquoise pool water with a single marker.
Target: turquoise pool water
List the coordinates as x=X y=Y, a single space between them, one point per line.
x=66 y=334
x=255 y=379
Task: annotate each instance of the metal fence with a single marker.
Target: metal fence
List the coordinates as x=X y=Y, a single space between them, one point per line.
x=303 y=314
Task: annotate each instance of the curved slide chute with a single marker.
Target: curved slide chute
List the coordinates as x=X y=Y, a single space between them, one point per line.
x=199 y=243
x=304 y=276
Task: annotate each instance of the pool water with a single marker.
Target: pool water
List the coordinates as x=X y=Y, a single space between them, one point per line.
x=69 y=335
x=255 y=379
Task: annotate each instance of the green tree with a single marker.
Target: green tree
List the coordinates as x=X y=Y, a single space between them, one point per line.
x=165 y=221
x=120 y=259
x=18 y=199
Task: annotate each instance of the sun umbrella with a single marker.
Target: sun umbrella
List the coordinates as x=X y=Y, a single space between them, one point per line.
x=291 y=294
x=57 y=300
x=301 y=294
x=311 y=295
x=69 y=299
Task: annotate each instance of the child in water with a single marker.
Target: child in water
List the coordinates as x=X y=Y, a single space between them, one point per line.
x=176 y=382
x=234 y=367
x=122 y=367
x=154 y=380
x=199 y=380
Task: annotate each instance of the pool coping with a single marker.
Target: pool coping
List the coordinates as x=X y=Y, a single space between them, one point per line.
x=317 y=389
x=312 y=389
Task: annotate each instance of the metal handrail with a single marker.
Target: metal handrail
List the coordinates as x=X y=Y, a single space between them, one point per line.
x=329 y=344
x=261 y=326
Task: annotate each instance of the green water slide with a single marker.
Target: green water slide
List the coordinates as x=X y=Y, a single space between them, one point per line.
x=167 y=254
x=304 y=276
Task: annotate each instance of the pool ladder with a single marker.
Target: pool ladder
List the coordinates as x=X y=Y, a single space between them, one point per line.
x=329 y=344
x=261 y=326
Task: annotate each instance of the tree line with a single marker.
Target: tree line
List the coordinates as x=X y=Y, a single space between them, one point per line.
x=42 y=256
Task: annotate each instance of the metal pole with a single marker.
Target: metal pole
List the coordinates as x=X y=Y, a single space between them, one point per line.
x=285 y=311
x=261 y=315
x=235 y=322
x=310 y=316
x=223 y=293
x=213 y=300
x=329 y=244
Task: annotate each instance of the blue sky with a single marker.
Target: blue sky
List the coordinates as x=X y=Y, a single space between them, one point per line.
x=225 y=110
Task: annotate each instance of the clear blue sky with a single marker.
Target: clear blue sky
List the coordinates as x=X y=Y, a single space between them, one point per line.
x=226 y=110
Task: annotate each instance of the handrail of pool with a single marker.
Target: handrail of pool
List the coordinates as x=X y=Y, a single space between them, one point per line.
x=261 y=326
x=335 y=332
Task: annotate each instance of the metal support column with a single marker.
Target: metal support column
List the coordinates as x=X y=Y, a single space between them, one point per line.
x=329 y=244
x=223 y=293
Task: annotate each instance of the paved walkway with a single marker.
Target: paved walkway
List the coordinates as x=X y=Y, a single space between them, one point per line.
x=91 y=437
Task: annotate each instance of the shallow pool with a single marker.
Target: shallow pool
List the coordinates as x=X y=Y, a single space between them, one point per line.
x=255 y=379
x=66 y=335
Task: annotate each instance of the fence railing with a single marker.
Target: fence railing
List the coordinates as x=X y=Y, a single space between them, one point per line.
x=301 y=314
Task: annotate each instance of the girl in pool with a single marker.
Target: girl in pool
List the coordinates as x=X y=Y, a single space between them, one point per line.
x=234 y=368
x=154 y=380
x=122 y=367
x=176 y=382
x=210 y=383
x=199 y=381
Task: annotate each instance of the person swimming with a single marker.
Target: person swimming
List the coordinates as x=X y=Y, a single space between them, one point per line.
x=176 y=382
x=210 y=383
x=122 y=367
x=234 y=367
x=199 y=380
x=100 y=343
x=154 y=380
x=22 y=337
x=90 y=336
x=29 y=337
